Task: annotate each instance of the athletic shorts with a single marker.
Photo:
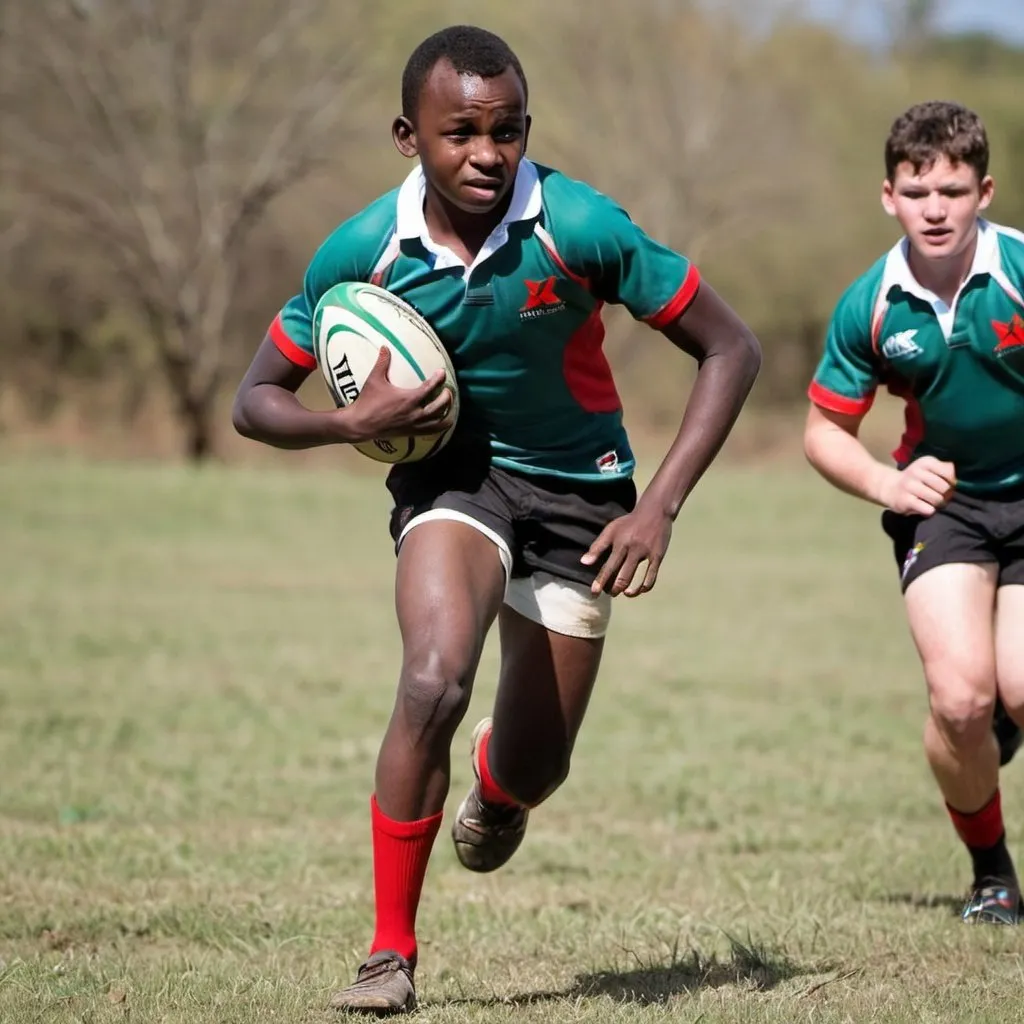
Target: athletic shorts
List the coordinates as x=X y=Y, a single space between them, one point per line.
x=986 y=530
x=541 y=526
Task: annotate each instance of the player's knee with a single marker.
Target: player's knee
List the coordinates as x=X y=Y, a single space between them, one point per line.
x=435 y=696
x=963 y=714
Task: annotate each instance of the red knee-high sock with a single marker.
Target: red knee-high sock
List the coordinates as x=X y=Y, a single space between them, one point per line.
x=985 y=838
x=491 y=792
x=401 y=850
x=982 y=829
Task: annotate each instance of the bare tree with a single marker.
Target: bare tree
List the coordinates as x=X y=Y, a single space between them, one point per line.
x=675 y=115
x=160 y=133
x=683 y=116
x=13 y=226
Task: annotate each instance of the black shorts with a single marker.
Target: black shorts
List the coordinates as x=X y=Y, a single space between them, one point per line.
x=547 y=523
x=969 y=529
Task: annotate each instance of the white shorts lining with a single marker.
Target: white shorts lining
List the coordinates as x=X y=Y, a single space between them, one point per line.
x=560 y=605
x=455 y=516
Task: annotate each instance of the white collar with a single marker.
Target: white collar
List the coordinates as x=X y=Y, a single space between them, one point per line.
x=411 y=223
x=986 y=261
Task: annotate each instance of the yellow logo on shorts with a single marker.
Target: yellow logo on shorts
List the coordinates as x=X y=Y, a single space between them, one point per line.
x=908 y=562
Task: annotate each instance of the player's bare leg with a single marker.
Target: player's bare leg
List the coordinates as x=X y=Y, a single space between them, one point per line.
x=1010 y=650
x=1007 y=732
x=1009 y=714
x=522 y=756
x=449 y=587
x=951 y=612
x=1009 y=671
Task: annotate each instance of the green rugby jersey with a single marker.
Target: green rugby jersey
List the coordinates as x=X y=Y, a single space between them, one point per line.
x=523 y=324
x=960 y=368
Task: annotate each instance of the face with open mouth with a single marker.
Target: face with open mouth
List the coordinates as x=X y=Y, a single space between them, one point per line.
x=470 y=135
x=937 y=205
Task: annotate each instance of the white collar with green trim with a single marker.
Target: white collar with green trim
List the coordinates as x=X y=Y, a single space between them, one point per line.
x=987 y=260
x=411 y=223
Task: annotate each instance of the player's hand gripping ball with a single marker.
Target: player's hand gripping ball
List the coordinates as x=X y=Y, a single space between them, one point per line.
x=351 y=323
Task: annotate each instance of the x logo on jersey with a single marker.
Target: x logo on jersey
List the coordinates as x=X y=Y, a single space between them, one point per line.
x=1010 y=335
x=541 y=293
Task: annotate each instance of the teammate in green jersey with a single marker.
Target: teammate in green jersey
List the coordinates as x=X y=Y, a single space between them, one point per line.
x=938 y=321
x=529 y=515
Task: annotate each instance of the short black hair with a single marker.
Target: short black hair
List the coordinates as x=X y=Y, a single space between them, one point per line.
x=470 y=50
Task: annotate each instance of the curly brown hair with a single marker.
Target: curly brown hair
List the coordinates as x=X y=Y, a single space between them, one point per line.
x=925 y=132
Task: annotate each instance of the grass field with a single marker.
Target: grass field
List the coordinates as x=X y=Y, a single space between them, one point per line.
x=195 y=669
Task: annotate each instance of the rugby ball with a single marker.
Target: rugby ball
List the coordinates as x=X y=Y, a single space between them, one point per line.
x=351 y=323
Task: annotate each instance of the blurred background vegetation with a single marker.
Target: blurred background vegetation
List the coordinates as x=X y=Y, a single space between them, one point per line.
x=168 y=168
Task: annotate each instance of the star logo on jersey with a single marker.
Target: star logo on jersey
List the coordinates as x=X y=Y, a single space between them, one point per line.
x=541 y=299
x=901 y=344
x=1010 y=335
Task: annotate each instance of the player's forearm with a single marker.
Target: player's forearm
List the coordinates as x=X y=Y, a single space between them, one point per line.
x=723 y=382
x=842 y=459
x=274 y=416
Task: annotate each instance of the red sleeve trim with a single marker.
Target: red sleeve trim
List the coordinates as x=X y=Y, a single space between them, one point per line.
x=839 y=403
x=679 y=303
x=288 y=348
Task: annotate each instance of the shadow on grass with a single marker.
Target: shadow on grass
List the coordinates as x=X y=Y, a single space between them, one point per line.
x=656 y=981
x=927 y=901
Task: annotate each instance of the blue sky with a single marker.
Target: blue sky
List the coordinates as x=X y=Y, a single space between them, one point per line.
x=866 y=19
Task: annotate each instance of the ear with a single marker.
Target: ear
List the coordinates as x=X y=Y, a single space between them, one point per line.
x=988 y=190
x=403 y=134
x=528 y=121
x=888 y=199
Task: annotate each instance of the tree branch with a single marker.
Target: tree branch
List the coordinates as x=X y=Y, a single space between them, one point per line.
x=78 y=73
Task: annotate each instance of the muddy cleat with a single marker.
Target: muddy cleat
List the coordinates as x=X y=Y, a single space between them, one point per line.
x=486 y=835
x=1008 y=734
x=383 y=987
x=993 y=901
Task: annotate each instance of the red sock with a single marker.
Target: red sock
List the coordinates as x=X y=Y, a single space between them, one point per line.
x=491 y=792
x=981 y=829
x=401 y=850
